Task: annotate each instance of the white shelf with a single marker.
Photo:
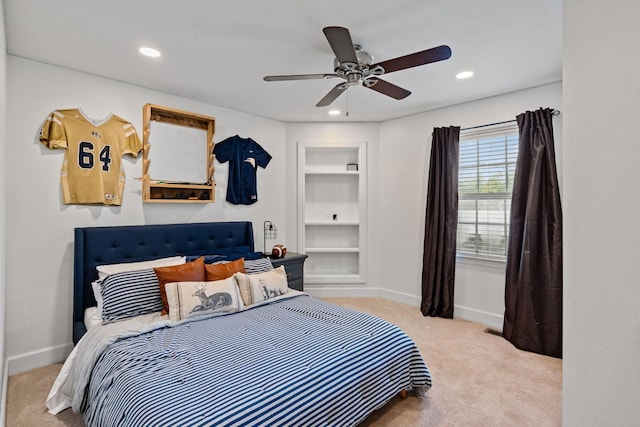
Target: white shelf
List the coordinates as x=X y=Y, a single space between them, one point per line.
x=330 y=222
x=331 y=250
x=330 y=172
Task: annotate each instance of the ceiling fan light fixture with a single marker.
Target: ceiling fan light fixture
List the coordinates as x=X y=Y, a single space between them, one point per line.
x=149 y=51
x=334 y=112
x=464 y=75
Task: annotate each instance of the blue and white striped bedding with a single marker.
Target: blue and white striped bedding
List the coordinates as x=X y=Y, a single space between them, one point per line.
x=295 y=362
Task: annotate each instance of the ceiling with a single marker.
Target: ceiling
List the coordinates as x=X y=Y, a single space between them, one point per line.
x=218 y=52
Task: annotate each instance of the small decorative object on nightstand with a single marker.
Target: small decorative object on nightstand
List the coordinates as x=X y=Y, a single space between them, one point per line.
x=278 y=251
x=294 y=266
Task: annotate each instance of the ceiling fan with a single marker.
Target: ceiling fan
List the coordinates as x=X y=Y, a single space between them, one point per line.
x=356 y=66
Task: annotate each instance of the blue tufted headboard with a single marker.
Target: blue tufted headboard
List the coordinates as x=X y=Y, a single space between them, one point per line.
x=95 y=246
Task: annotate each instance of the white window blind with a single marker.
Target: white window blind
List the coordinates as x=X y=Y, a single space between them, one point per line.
x=485 y=183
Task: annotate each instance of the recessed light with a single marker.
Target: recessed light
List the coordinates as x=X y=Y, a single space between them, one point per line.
x=334 y=112
x=150 y=52
x=464 y=75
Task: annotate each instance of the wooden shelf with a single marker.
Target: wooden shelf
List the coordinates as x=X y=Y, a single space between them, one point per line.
x=156 y=190
x=180 y=193
x=176 y=201
x=178 y=185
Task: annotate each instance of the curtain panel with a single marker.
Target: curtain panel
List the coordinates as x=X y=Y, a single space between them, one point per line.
x=533 y=291
x=441 y=222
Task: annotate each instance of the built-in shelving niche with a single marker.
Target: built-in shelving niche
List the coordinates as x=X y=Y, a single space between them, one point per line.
x=332 y=197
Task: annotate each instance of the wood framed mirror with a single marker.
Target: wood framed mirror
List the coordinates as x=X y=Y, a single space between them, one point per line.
x=180 y=168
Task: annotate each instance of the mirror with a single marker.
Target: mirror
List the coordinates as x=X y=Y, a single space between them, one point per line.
x=178 y=153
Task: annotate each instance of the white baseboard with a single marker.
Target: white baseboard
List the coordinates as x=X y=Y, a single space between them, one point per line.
x=361 y=292
x=3 y=404
x=400 y=297
x=342 y=292
x=492 y=320
x=36 y=359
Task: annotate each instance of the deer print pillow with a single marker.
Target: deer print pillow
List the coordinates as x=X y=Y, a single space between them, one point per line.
x=188 y=299
x=191 y=271
x=255 y=288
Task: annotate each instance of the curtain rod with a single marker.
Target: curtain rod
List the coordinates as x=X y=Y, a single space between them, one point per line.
x=554 y=112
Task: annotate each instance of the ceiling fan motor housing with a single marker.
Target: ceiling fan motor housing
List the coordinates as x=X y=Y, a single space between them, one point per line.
x=354 y=74
x=364 y=58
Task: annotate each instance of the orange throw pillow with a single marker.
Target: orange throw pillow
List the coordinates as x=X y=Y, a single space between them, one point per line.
x=223 y=271
x=190 y=272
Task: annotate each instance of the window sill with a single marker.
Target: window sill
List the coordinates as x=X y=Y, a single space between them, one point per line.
x=498 y=261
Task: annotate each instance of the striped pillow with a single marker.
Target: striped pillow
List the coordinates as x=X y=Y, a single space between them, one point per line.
x=130 y=294
x=262 y=265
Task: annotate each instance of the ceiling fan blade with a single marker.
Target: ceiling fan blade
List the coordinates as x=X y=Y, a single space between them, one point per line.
x=428 y=56
x=298 y=77
x=340 y=41
x=386 y=88
x=332 y=95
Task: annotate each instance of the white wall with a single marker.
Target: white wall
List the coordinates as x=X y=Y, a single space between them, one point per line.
x=40 y=228
x=3 y=157
x=39 y=300
x=405 y=146
x=398 y=164
x=601 y=206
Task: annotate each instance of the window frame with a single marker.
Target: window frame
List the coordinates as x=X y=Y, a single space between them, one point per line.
x=500 y=130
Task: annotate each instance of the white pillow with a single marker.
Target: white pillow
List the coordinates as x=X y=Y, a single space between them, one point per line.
x=255 y=288
x=97 y=294
x=91 y=318
x=105 y=270
x=189 y=299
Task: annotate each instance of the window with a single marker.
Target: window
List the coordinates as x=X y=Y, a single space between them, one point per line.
x=485 y=183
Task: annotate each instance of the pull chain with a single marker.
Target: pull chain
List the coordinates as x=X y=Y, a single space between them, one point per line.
x=347 y=112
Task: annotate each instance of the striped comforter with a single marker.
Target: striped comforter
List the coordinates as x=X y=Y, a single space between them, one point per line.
x=296 y=362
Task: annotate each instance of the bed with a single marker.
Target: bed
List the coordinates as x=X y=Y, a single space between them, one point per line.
x=287 y=360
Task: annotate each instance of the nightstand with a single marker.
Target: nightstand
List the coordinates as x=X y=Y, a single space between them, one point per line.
x=294 y=266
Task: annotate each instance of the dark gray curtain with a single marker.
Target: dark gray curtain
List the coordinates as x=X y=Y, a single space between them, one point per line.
x=533 y=294
x=438 y=266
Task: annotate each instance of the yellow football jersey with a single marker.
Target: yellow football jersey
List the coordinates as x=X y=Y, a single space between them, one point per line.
x=92 y=171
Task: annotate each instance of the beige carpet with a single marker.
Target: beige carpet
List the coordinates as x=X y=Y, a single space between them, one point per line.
x=479 y=379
